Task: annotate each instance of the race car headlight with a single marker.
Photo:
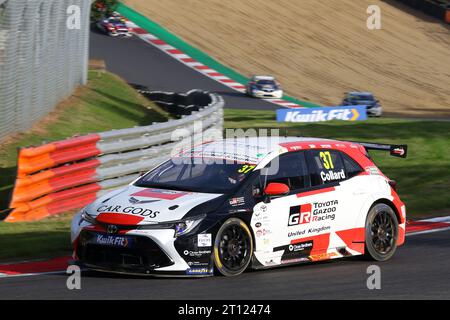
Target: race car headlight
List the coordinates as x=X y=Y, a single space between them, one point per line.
x=186 y=226
x=181 y=227
x=86 y=217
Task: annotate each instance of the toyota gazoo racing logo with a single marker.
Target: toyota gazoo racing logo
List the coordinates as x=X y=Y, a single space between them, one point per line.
x=128 y=210
x=299 y=215
x=317 y=211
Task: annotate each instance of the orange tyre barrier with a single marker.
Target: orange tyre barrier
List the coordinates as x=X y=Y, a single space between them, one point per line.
x=47 y=156
x=55 y=178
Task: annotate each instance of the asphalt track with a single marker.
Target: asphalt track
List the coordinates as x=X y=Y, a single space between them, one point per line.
x=141 y=63
x=418 y=270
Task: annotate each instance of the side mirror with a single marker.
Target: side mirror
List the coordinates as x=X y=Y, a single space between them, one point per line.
x=276 y=189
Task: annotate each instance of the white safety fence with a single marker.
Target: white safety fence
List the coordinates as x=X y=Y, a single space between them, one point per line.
x=43 y=57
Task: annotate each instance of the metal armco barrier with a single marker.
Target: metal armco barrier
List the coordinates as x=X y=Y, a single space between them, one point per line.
x=43 y=58
x=69 y=174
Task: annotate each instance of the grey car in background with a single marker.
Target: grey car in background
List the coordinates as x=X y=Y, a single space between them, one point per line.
x=355 y=98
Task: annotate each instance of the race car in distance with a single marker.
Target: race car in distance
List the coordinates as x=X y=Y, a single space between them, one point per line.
x=228 y=205
x=363 y=98
x=264 y=87
x=114 y=26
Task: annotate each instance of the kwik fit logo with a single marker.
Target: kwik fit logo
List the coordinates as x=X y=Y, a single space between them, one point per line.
x=353 y=113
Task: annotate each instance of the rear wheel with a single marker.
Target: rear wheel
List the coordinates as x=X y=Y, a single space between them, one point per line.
x=233 y=248
x=381 y=233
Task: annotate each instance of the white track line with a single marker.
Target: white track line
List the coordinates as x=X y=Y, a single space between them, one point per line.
x=427 y=231
x=5 y=275
x=437 y=219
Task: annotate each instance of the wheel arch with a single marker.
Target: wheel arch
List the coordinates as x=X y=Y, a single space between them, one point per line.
x=400 y=236
x=391 y=205
x=369 y=204
x=245 y=224
x=244 y=218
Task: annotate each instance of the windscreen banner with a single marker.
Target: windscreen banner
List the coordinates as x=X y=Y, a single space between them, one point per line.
x=346 y=113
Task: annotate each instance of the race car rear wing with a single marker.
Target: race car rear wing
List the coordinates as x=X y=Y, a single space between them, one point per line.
x=396 y=150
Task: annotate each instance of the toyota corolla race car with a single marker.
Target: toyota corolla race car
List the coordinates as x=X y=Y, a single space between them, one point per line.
x=228 y=205
x=264 y=87
x=114 y=26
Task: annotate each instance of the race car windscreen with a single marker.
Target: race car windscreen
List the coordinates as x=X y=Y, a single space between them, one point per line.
x=196 y=177
x=263 y=83
x=362 y=98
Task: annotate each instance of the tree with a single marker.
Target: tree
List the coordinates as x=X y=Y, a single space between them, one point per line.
x=102 y=8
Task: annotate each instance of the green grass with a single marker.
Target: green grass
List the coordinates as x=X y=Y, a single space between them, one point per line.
x=47 y=238
x=423 y=178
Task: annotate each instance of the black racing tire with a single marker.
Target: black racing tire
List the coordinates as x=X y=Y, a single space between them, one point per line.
x=233 y=248
x=381 y=233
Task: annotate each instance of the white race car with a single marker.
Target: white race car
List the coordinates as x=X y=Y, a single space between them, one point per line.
x=265 y=87
x=114 y=26
x=228 y=205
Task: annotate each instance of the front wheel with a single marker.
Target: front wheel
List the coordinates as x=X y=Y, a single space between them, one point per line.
x=381 y=233
x=233 y=248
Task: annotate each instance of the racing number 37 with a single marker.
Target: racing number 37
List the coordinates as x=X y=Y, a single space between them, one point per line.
x=326 y=159
x=246 y=169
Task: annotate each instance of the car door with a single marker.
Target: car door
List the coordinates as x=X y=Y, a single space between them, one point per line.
x=313 y=220
x=273 y=220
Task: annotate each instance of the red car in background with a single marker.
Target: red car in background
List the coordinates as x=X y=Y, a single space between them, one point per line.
x=114 y=26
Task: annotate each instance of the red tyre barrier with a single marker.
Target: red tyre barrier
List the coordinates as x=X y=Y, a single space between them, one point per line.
x=53 y=185
x=54 y=203
x=57 y=172
x=32 y=160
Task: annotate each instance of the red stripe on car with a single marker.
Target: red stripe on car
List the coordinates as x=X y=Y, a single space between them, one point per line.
x=118 y=218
